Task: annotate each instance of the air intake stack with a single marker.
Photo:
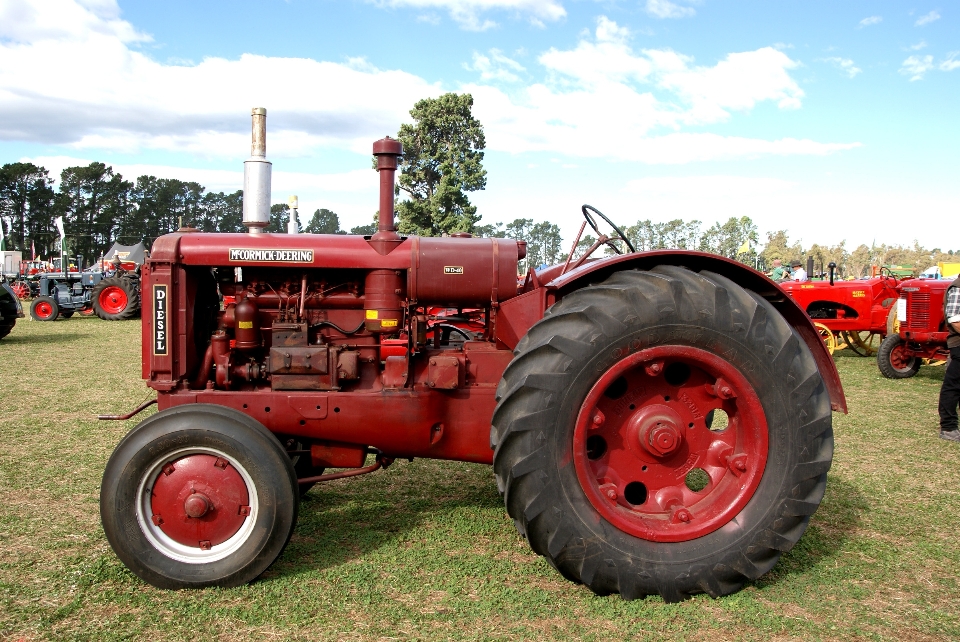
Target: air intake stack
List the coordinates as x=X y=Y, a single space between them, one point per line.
x=256 y=177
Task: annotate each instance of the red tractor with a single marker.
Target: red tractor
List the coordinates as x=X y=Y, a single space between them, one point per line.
x=918 y=329
x=847 y=313
x=658 y=423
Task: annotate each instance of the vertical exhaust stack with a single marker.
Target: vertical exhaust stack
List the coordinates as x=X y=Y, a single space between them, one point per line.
x=256 y=177
x=388 y=151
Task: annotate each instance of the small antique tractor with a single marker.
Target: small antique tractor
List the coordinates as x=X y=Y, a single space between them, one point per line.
x=918 y=329
x=849 y=314
x=658 y=423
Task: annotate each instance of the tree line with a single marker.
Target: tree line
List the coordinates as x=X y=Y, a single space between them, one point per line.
x=442 y=162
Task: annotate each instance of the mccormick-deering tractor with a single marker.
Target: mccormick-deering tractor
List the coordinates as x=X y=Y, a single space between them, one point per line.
x=849 y=314
x=658 y=423
x=918 y=329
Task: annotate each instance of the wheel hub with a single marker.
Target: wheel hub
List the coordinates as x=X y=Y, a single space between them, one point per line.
x=113 y=299
x=199 y=500
x=647 y=454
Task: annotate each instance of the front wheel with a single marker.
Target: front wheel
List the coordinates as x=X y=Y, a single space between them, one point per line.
x=116 y=299
x=44 y=308
x=894 y=361
x=198 y=496
x=604 y=449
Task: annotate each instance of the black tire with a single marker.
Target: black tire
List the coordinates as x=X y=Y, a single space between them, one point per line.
x=183 y=432
x=6 y=328
x=44 y=308
x=110 y=311
x=587 y=334
x=66 y=314
x=891 y=363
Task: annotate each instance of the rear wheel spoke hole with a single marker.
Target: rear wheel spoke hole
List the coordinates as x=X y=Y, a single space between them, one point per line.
x=677 y=374
x=617 y=389
x=718 y=420
x=697 y=479
x=596 y=447
x=635 y=493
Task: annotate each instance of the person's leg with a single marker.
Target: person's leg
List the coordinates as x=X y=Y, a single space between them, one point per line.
x=950 y=393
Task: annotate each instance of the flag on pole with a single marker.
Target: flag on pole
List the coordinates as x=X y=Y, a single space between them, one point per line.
x=745 y=248
x=3 y=237
x=59 y=223
x=33 y=251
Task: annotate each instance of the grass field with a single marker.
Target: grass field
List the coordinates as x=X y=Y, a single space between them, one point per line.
x=424 y=550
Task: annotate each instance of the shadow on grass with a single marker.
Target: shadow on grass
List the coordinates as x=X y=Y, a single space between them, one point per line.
x=838 y=516
x=40 y=339
x=337 y=525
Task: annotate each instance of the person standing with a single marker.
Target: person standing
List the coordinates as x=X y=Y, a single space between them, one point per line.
x=950 y=390
x=797 y=272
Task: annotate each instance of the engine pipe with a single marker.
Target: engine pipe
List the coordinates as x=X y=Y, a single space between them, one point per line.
x=388 y=151
x=256 y=176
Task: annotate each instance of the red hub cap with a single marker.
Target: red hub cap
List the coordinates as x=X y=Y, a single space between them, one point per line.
x=199 y=500
x=899 y=358
x=645 y=455
x=113 y=300
x=43 y=309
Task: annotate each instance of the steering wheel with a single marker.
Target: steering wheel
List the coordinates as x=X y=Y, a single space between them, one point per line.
x=596 y=229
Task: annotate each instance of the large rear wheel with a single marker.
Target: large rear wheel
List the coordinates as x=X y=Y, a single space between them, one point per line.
x=608 y=462
x=116 y=299
x=198 y=496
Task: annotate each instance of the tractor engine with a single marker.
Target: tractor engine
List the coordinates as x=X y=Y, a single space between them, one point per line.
x=373 y=321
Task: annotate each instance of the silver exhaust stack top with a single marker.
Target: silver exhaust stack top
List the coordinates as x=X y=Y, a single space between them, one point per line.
x=292 y=223
x=256 y=177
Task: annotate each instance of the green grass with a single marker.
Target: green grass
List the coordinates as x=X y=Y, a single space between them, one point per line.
x=424 y=550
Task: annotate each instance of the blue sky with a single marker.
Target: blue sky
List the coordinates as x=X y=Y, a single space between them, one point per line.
x=833 y=121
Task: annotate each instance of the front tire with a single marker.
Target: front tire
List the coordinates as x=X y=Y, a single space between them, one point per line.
x=198 y=496
x=893 y=361
x=116 y=299
x=603 y=450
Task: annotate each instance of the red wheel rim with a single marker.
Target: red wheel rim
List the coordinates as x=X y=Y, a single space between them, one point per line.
x=113 y=300
x=22 y=290
x=899 y=358
x=199 y=500
x=645 y=457
x=43 y=309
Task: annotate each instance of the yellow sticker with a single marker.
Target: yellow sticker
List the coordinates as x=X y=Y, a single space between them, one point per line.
x=859 y=294
x=388 y=323
x=245 y=325
x=371 y=314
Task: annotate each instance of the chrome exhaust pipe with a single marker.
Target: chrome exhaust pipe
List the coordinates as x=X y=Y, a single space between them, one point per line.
x=257 y=172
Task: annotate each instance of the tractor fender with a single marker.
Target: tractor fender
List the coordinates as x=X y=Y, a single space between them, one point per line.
x=516 y=316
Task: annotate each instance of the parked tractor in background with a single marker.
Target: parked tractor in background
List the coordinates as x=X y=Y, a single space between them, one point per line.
x=658 y=423
x=918 y=330
x=110 y=290
x=850 y=314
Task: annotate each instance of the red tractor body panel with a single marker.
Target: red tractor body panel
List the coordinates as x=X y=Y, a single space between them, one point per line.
x=920 y=317
x=861 y=305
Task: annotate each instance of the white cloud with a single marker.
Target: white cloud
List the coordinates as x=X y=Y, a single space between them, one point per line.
x=845 y=65
x=917 y=47
x=22 y=21
x=605 y=100
x=950 y=62
x=495 y=66
x=667 y=9
x=707 y=185
x=467 y=13
x=872 y=20
x=916 y=67
x=600 y=99
x=933 y=16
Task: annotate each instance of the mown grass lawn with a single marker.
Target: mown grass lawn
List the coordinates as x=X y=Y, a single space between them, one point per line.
x=424 y=550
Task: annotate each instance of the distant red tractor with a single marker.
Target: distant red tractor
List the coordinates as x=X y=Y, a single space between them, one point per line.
x=847 y=313
x=919 y=331
x=658 y=423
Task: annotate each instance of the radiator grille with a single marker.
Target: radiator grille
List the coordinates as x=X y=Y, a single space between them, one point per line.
x=918 y=314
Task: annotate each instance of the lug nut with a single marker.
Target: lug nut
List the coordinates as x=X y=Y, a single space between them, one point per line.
x=598 y=419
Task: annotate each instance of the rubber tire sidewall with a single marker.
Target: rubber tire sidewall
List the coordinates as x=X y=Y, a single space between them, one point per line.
x=7 y=328
x=130 y=290
x=200 y=425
